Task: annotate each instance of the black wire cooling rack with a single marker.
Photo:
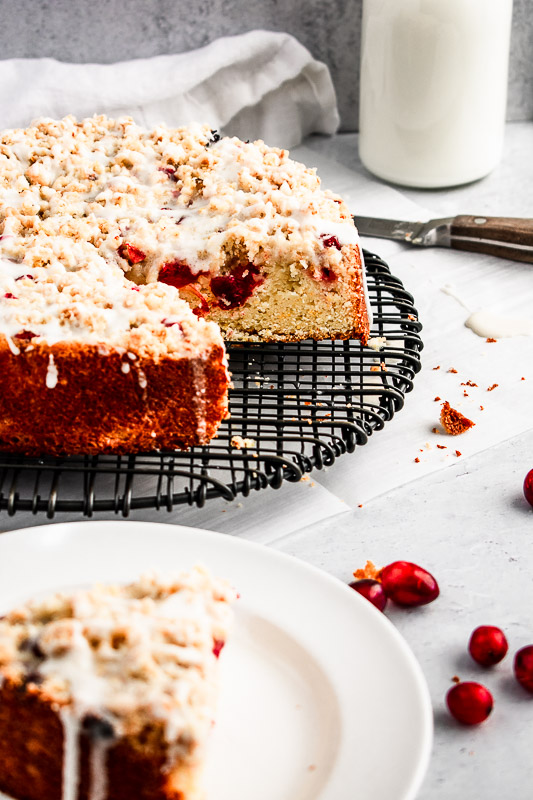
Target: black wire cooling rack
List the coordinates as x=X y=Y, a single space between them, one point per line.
x=294 y=408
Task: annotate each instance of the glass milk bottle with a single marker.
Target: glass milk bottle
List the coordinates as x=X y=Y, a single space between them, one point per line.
x=433 y=89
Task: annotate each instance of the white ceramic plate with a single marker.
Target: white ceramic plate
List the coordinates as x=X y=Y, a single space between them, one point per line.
x=321 y=697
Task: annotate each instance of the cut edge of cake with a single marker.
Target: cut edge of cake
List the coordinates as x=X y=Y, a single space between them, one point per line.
x=116 y=687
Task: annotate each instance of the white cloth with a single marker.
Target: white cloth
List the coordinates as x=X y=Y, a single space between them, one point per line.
x=256 y=85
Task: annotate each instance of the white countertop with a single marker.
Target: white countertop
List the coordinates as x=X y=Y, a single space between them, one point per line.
x=464 y=518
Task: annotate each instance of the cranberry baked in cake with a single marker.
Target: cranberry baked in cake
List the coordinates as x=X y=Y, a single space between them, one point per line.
x=109 y=693
x=120 y=248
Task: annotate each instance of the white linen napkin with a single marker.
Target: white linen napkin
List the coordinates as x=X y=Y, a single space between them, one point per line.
x=257 y=85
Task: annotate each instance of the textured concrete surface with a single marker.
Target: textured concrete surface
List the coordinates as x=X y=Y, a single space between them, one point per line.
x=112 y=30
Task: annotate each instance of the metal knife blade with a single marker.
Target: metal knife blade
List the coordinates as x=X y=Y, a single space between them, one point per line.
x=436 y=232
x=505 y=237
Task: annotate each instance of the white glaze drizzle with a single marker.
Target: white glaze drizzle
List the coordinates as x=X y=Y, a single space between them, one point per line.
x=51 y=373
x=492 y=325
x=451 y=291
x=141 y=375
x=71 y=754
x=98 y=769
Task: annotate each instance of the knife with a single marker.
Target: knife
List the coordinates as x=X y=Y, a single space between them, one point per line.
x=506 y=237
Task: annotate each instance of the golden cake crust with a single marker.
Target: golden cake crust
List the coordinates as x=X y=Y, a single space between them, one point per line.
x=97 y=407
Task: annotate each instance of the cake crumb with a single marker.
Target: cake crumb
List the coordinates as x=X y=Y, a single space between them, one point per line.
x=491 y=388
x=453 y=421
x=239 y=442
x=417 y=460
x=369 y=571
x=437 y=399
x=442 y=447
x=469 y=383
x=522 y=379
x=458 y=453
x=456 y=679
x=436 y=367
x=490 y=339
x=452 y=369
x=436 y=430
x=360 y=505
x=482 y=408
x=377 y=342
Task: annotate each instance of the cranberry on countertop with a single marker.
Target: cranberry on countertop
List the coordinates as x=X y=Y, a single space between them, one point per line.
x=528 y=487
x=469 y=702
x=488 y=645
x=372 y=590
x=523 y=667
x=407 y=584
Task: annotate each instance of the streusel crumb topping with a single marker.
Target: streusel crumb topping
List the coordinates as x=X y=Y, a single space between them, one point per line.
x=84 y=204
x=125 y=655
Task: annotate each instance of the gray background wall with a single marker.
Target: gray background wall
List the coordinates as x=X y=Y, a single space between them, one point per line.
x=113 y=30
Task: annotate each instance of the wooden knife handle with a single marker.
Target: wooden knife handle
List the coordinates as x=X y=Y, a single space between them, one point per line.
x=506 y=237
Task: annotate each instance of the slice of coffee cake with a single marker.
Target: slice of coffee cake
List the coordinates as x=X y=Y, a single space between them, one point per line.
x=109 y=693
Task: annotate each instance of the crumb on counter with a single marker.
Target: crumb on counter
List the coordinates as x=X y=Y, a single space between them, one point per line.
x=453 y=422
x=369 y=571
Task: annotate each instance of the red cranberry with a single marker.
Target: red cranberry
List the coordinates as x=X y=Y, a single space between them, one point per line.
x=330 y=241
x=171 y=172
x=408 y=584
x=469 y=702
x=176 y=273
x=25 y=335
x=233 y=290
x=20 y=277
x=168 y=323
x=132 y=254
x=523 y=667
x=528 y=487
x=327 y=275
x=218 y=644
x=372 y=590
x=9 y=296
x=488 y=645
